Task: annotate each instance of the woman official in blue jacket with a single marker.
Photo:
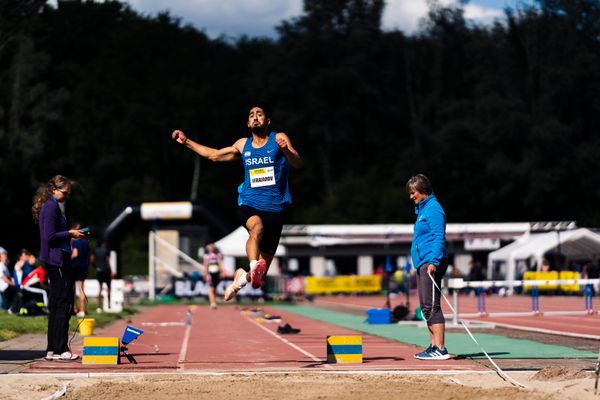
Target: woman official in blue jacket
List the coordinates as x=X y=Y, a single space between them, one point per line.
x=55 y=254
x=430 y=258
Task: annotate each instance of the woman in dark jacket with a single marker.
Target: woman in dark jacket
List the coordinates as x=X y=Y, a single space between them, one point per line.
x=55 y=254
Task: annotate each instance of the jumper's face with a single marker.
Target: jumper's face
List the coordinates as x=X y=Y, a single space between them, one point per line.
x=257 y=120
x=416 y=196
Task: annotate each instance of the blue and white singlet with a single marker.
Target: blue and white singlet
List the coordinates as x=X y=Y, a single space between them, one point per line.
x=265 y=184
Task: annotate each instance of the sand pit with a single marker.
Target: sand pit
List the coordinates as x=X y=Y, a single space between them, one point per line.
x=299 y=386
x=556 y=373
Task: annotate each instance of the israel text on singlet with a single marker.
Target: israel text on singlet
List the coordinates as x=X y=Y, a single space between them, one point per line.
x=265 y=185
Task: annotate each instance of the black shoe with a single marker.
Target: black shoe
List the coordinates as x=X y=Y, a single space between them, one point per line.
x=287 y=328
x=271 y=317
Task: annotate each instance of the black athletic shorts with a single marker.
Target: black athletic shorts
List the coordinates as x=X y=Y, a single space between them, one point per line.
x=272 y=223
x=103 y=277
x=215 y=278
x=80 y=273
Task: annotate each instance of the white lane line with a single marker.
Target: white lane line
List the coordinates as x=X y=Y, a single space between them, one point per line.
x=549 y=331
x=184 y=346
x=292 y=345
x=163 y=323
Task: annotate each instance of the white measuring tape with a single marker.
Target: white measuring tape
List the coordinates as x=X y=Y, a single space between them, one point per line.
x=498 y=369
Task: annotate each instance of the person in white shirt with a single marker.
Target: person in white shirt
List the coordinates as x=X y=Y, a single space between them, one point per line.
x=7 y=286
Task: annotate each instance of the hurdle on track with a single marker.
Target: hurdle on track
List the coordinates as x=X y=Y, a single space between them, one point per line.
x=481 y=288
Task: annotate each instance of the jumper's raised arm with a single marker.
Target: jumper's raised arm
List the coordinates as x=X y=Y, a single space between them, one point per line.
x=229 y=153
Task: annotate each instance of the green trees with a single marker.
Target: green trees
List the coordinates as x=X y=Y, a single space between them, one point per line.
x=504 y=118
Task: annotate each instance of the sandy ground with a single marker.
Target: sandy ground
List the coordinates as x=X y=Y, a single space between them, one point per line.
x=549 y=383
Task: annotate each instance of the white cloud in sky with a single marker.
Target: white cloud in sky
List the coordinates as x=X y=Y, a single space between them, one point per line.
x=482 y=14
x=228 y=17
x=233 y=18
x=405 y=15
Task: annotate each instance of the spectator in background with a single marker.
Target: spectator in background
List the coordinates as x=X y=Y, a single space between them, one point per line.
x=475 y=275
x=80 y=258
x=35 y=282
x=103 y=271
x=7 y=285
x=589 y=271
x=22 y=268
x=55 y=252
x=213 y=263
x=476 y=272
x=33 y=262
x=545 y=266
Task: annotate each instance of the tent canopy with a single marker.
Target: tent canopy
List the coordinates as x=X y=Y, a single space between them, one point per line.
x=234 y=244
x=578 y=243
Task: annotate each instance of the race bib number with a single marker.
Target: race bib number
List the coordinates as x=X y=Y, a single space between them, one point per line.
x=260 y=177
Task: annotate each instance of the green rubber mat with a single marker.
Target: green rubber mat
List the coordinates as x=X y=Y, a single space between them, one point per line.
x=460 y=344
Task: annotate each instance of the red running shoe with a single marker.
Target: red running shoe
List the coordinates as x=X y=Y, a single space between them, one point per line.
x=257 y=273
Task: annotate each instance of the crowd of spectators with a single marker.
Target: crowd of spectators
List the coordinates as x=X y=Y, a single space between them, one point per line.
x=24 y=284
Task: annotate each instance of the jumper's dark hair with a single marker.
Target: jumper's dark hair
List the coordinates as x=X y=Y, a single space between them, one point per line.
x=263 y=105
x=420 y=183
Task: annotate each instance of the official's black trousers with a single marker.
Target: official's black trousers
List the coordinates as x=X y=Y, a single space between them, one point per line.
x=62 y=295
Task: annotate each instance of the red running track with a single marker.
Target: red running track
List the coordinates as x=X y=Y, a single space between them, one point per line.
x=226 y=340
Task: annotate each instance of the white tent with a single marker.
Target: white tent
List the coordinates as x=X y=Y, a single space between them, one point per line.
x=501 y=258
x=234 y=244
x=574 y=244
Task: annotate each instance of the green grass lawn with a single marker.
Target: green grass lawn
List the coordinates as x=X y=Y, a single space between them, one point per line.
x=12 y=326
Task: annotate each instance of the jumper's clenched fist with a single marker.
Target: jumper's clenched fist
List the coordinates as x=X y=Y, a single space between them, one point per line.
x=179 y=136
x=282 y=143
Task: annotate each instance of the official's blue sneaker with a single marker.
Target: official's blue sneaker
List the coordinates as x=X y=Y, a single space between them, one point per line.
x=435 y=353
x=424 y=352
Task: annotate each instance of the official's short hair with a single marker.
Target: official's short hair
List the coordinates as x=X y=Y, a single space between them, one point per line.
x=420 y=183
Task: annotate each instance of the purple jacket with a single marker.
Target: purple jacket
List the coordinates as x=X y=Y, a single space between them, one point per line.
x=54 y=236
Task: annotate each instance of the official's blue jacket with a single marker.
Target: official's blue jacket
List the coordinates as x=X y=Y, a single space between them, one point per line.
x=429 y=241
